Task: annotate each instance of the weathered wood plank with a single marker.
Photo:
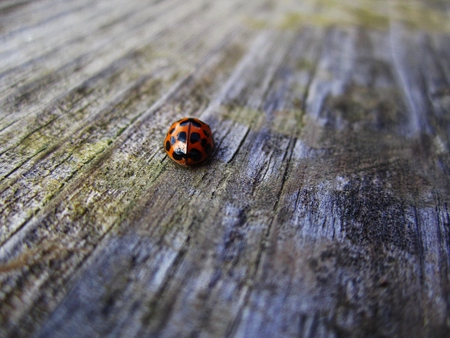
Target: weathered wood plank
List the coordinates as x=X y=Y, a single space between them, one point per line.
x=324 y=211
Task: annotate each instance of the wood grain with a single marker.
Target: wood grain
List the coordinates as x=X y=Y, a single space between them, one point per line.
x=324 y=211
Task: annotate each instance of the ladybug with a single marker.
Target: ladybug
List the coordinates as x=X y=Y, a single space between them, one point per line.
x=189 y=141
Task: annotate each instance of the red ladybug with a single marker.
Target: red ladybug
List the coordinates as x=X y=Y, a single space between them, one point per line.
x=189 y=141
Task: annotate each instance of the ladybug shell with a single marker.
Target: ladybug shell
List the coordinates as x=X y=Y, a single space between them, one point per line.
x=189 y=141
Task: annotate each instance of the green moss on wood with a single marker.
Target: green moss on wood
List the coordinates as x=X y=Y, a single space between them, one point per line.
x=377 y=15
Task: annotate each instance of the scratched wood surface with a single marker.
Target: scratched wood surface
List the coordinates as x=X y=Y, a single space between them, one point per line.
x=323 y=213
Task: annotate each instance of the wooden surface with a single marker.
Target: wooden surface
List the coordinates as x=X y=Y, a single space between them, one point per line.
x=324 y=212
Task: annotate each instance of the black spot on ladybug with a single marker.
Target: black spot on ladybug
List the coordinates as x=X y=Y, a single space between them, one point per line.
x=167 y=145
x=195 y=154
x=178 y=154
x=195 y=123
x=171 y=131
x=172 y=140
x=182 y=137
x=176 y=157
x=195 y=137
x=203 y=143
x=206 y=133
x=208 y=149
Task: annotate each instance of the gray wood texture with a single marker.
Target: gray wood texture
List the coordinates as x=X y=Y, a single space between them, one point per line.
x=323 y=213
